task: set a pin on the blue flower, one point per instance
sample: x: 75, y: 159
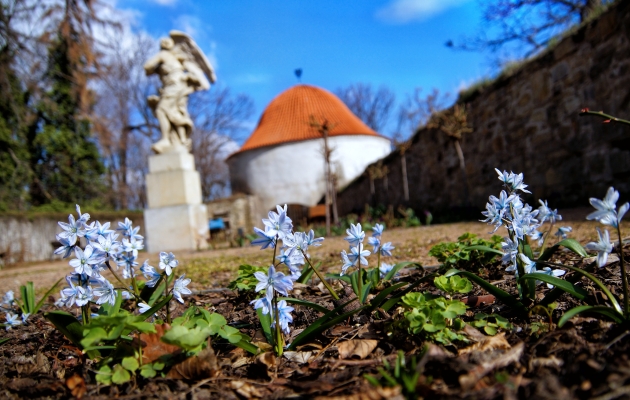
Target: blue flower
x: 143, y: 307
x: 128, y: 262
x: 357, y: 254
x: 168, y: 262
x: 99, y: 231
x: 83, y: 218
x: 512, y: 181
x: 297, y: 241
x: 355, y: 234
x: 132, y: 245
x: 8, y: 298
x: 528, y: 265
x: 128, y: 230
x: 377, y: 231
x: 66, y: 247
x: 385, y: 268
x: 563, y: 231
x: 546, y: 214
x: 284, y: 316
x: 291, y: 257
x: 85, y: 259
x: 510, y: 251
x: 386, y: 249
x: 72, y: 230
x: 150, y: 274
x: 606, y: 209
x: 264, y: 239
x: 551, y: 272
x: 346, y: 262
x: 376, y: 242
x: 107, y: 245
x: 273, y: 281
x: 105, y: 292
x: 179, y: 288
x: 262, y: 303
x: 278, y: 223
x: 12, y: 320
x: 603, y: 247
x: 312, y: 241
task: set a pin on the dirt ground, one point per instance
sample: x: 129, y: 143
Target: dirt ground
x: 216, y: 268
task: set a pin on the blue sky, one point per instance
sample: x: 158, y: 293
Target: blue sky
x: 256, y: 45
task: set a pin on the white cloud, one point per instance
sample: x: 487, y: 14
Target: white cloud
x: 188, y: 24
x: 198, y: 31
x: 405, y: 11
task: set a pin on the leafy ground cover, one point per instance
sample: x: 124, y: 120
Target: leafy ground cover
x: 360, y: 357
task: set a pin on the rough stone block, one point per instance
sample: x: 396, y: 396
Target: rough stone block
x: 176, y: 228
x: 171, y: 161
x: 171, y: 188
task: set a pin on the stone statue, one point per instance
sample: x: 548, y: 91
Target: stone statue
x: 183, y: 69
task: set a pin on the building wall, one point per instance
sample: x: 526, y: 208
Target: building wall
x: 293, y: 173
x: 528, y: 122
x: 31, y: 239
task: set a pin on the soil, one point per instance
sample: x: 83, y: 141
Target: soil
x: 586, y: 358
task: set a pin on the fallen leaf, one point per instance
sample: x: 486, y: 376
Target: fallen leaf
x: 245, y: 389
x: 379, y: 393
x: 203, y: 365
x: 301, y: 357
x: 77, y: 387
x: 356, y: 348
x: 153, y: 348
x: 488, y: 343
x: 469, y: 380
x: 267, y: 359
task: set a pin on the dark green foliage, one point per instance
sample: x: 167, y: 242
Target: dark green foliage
x: 64, y: 158
x: 460, y: 254
x: 434, y: 317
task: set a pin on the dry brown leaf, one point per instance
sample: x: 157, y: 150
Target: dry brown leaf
x: 203, y: 365
x: 77, y: 387
x: 301, y: 357
x: 379, y: 393
x: 245, y: 389
x: 488, y: 343
x: 356, y: 348
x: 469, y: 380
x: 267, y: 359
x: 153, y: 348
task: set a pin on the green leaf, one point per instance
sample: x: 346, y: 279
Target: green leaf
x: 93, y: 336
x: 397, y: 296
x: 502, y: 295
x: 149, y: 313
x: 265, y: 323
x: 485, y: 249
x: 305, y: 303
x: 4, y: 340
x: 230, y: 333
x: 605, y: 311
x: 67, y: 324
x: 380, y: 298
x: 104, y: 375
x: 366, y: 291
x: 307, y: 273
x: 120, y: 375
x: 130, y: 363
x: 568, y: 287
x: 398, y: 267
x: 570, y: 244
x: 247, y: 346
x: 187, y: 339
x: 147, y: 371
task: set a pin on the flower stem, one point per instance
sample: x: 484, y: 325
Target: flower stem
x: 360, y: 282
x: 542, y: 248
x: 168, y: 303
x: 624, y: 277
x: 319, y: 275
x: 279, y: 341
x: 121, y: 281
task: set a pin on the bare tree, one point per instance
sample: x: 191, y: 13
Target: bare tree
x: 123, y: 122
x: 220, y: 120
x: 522, y: 28
x: 374, y: 107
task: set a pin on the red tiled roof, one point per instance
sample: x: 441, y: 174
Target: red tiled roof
x: 287, y: 118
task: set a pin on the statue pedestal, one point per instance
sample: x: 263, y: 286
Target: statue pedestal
x: 176, y: 218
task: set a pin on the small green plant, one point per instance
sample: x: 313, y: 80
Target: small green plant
x: 246, y: 280
x: 468, y: 252
x: 434, y: 317
x: 491, y: 323
x: 27, y: 304
x: 452, y: 284
x: 402, y: 374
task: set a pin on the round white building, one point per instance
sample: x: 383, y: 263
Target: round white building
x: 282, y: 162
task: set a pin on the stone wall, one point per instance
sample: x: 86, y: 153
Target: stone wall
x: 526, y: 122
x: 32, y: 238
